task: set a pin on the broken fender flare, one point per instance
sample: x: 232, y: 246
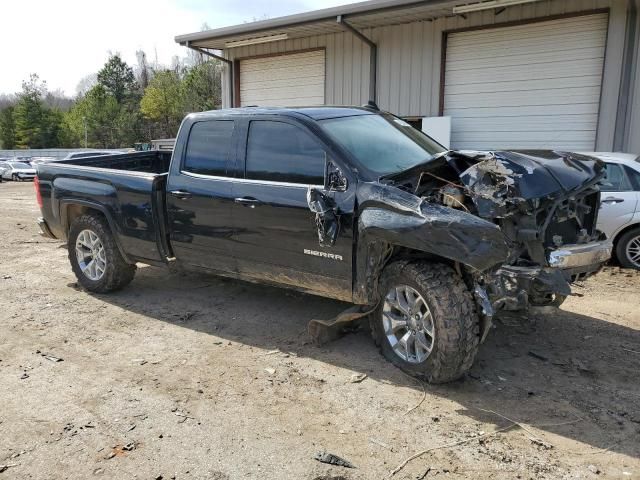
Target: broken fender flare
x: 442, y: 231
x: 400, y: 218
x: 390, y: 216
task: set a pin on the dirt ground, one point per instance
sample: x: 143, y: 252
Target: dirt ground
x: 194, y: 377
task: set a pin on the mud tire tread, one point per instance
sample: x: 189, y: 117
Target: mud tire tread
x: 118, y: 274
x: 456, y: 320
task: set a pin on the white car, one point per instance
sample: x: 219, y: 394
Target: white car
x: 17, y: 171
x: 619, y: 216
x: 38, y: 160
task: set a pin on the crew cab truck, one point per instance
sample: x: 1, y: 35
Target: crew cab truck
x: 343, y: 202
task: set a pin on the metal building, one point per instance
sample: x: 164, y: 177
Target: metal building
x: 491, y: 74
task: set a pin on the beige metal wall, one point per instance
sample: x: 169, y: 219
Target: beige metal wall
x: 409, y: 59
x: 632, y: 133
x: 347, y: 64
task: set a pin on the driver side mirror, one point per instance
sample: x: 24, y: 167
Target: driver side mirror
x: 334, y: 179
x: 327, y: 221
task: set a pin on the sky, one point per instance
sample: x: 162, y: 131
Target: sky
x: 63, y: 41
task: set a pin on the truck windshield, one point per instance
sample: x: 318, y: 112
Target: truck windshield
x: 382, y: 143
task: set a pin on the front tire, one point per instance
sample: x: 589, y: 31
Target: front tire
x: 628, y: 249
x: 426, y: 322
x: 94, y: 256
x: 550, y: 300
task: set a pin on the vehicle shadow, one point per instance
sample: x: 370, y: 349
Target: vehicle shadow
x: 567, y: 371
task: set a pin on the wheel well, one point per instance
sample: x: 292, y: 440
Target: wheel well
x: 633, y: 226
x: 403, y: 253
x: 75, y: 210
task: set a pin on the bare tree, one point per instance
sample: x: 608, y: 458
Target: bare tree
x: 177, y: 64
x: 86, y: 84
x: 143, y: 70
x: 261, y: 18
x: 7, y: 100
x: 58, y: 100
x: 195, y: 58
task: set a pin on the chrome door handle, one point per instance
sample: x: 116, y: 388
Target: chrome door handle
x: 181, y: 194
x: 248, y: 201
x: 612, y: 200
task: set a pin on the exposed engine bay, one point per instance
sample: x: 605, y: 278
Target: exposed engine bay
x: 536, y: 207
x: 543, y: 202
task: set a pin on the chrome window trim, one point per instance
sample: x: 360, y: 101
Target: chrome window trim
x: 249, y: 180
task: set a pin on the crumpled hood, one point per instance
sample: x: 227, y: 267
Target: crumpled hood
x: 504, y: 178
x: 538, y: 173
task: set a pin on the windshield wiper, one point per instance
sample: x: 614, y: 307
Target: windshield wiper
x: 406, y: 171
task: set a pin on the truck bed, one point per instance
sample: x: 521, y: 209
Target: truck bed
x: 127, y: 188
x: 155, y: 162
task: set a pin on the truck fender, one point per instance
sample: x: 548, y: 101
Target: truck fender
x: 65, y: 203
x: 389, y: 216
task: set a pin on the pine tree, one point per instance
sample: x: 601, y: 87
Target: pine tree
x: 30, y: 115
x: 7, y: 128
x: 118, y: 79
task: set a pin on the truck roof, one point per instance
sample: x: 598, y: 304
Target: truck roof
x: 316, y: 113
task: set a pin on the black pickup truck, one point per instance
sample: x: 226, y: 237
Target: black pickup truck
x: 348, y: 203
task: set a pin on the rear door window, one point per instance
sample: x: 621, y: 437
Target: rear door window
x: 209, y: 147
x: 634, y: 176
x: 282, y: 152
x: 615, y: 179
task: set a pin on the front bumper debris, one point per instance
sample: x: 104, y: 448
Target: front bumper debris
x: 514, y: 287
x: 585, y: 255
x: 324, y: 331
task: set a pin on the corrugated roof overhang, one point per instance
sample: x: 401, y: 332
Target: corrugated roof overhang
x: 373, y: 13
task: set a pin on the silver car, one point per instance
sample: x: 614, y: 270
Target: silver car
x: 619, y: 216
x: 17, y: 171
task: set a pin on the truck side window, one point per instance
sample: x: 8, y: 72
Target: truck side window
x: 208, y: 147
x: 615, y: 179
x: 282, y: 152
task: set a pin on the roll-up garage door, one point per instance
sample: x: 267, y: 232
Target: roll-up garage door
x: 284, y: 80
x: 527, y: 86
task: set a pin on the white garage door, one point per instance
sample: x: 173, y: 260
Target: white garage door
x: 284, y: 80
x: 530, y: 86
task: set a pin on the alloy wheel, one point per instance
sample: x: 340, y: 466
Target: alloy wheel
x: 633, y: 251
x: 91, y: 255
x: 408, y: 324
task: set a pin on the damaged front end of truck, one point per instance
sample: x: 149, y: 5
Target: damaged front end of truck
x: 519, y: 227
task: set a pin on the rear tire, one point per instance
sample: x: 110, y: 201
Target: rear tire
x: 452, y: 320
x: 628, y: 249
x: 90, y: 239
